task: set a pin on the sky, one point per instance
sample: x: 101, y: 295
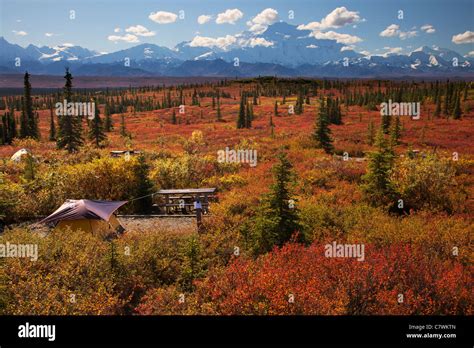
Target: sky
x: 369, y: 26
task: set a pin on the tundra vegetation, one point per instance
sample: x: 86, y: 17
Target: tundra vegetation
x: 330, y: 168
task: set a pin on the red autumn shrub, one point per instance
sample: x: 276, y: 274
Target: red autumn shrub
x: 301, y: 280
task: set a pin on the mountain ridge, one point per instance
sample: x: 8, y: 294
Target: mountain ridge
x: 281, y: 49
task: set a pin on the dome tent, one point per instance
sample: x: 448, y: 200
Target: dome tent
x: 87, y: 215
x: 17, y: 156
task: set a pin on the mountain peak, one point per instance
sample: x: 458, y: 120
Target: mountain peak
x: 283, y: 28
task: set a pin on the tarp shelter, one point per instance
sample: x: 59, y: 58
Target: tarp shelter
x: 17, y: 156
x: 87, y: 215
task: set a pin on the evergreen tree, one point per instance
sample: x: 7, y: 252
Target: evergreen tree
x: 219, y: 115
x: 272, y: 126
x: 370, y: 132
x: 299, y: 104
x: 144, y: 188
x: 386, y: 123
x: 69, y: 135
x: 52, y: 126
x: 277, y: 220
x: 446, y: 102
x: 123, y: 127
x: 457, y: 108
x: 8, y: 127
x: 96, y: 128
x: 108, y: 123
x: 322, y: 133
x: 173, y: 118
x: 376, y: 186
x: 437, y: 112
x: 248, y: 116
x: 242, y: 117
x: 395, y: 132
x: 28, y: 120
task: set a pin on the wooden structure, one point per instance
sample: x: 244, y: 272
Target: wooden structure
x: 182, y: 201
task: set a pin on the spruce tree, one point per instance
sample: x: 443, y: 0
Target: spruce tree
x: 242, y: 117
x: 272, y: 126
x: 322, y: 133
x: 28, y: 120
x: 386, y: 123
x: 173, y: 117
x: 457, y: 108
x: 96, y: 128
x: 437, y: 112
x: 218, y: 115
x: 277, y: 220
x: 377, y: 186
x: 123, y: 128
x: 248, y: 116
x: 395, y: 132
x: 279, y: 199
x: 370, y: 132
x: 52, y: 126
x: 69, y: 135
x: 144, y: 187
x: 108, y: 123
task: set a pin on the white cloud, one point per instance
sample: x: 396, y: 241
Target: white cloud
x: 338, y: 18
x: 20, y: 33
x: 312, y: 46
x: 126, y: 38
x: 340, y: 38
x: 470, y: 54
x: 407, y: 34
x: 261, y: 21
x: 428, y: 28
x: 365, y: 53
x: 267, y: 17
x: 348, y: 48
x: 67, y: 44
x: 48, y: 34
x: 117, y: 30
x: 258, y: 41
x: 163, y: 17
x: 463, y: 38
x: 139, y: 30
x: 203, y: 19
x: 390, y: 31
x: 221, y: 42
x: 393, y: 30
x: 392, y: 50
x: 229, y: 16
x: 256, y: 28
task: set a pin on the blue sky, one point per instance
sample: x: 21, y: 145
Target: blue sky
x: 369, y: 25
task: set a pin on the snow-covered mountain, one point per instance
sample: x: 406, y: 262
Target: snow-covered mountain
x: 281, y: 49
x: 43, y: 54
